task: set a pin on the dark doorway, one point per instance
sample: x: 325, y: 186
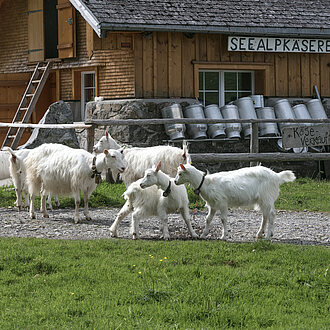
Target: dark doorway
x: 50, y: 28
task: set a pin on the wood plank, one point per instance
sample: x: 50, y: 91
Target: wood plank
x: 213, y: 47
x: 325, y: 75
x: 162, y: 65
x: 224, y: 54
x: 138, y: 60
x: 66, y: 30
x: 174, y: 64
x: 13, y: 83
x: 305, y: 75
x: 281, y: 74
x: 202, y: 44
x: 188, y: 53
x: 294, y: 74
x: 270, y: 75
x: 36, y: 49
x: 315, y: 71
x: 148, y: 66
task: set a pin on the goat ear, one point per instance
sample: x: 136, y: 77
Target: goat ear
x: 107, y: 135
x: 14, y: 158
x: 158, y: 166
x: 182, y: 167
x: 106, y: 151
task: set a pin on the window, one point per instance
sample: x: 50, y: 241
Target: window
x: 87, y: 90
x: 221, y: 87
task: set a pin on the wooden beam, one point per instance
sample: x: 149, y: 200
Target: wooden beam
x: 264, y: 157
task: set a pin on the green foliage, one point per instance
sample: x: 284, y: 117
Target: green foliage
x: 154, y: 284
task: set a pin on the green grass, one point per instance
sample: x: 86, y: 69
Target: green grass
x: 300, y: 195
x: 119, y: 284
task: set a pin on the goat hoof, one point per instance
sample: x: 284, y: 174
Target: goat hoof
x: 32, y: 216
x: 76, y: 220
x: 46, y: 215
x: 88, y: 218
x: 113, y: 234
x: 135, y: 237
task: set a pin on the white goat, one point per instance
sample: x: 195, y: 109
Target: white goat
x: 154, y: 195
x: 140, y: 159
x: 58, y: 169
x: 12, y: 166
x: 258, y: 186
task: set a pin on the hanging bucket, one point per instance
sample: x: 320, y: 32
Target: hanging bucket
x: 267, y: 129
x: 300, y: 111
x: 230, y: 111
x: 174, y: 131
x: 246, y: 111
x: 214, y: 130
x: 315, y: 109
x: 195, y: 131
x: 283, y: 110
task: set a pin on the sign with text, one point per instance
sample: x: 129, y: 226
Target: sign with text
x: 306, y: 136
x: 286, y: 45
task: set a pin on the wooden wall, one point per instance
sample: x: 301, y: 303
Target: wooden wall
x: 165, y: 66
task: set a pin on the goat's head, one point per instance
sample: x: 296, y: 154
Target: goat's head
x: 114, y: 160
x: 182, y: 175
x: 106, y: 142
x: 150, y: 176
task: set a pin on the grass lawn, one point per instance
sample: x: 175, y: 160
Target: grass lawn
x: 125, y: 284
x: 120, y: 284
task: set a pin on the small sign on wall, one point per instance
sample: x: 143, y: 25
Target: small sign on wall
x: 306, y: 136
x: 285, y: 45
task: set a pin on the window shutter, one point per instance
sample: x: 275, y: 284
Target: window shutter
x: 66, y: 29
x: 35, y: 31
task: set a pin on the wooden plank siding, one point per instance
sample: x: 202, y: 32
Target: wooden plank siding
x: 276, y: 74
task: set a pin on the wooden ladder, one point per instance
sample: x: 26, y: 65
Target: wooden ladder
x: 27, y: 104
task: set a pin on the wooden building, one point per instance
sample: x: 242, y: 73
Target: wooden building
x: 217, y: 50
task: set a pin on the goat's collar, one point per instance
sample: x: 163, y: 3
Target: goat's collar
x: 168, y: 190
x: 95, y: 173
x: 197, y: 191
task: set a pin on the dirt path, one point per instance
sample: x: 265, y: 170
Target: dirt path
x: 290, y: 227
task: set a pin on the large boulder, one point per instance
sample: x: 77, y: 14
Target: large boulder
x: 57, y: 113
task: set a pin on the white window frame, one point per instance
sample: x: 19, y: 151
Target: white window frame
x: 83, y: 91
x: 221, y: 89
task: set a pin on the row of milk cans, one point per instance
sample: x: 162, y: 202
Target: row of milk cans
x: 242, y: 108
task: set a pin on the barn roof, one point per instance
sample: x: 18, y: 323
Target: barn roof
x: 268, y: 17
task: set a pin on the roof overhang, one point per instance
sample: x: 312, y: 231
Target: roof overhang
x: 101, y: 29
x: 87, y: 15
x: 269, y: 31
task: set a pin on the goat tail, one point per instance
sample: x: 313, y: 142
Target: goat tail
x: 286, y: 176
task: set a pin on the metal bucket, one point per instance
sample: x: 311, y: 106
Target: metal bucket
x: 300, y: 111
x: 196, y: 131
x: 246, y: 111
x: 230, y: 111
x: 174, y: 131
x: 283, y: 110
x: 267, y: 129
x: 214, y: 130
x: 315, y: 109
x: 258, y: 101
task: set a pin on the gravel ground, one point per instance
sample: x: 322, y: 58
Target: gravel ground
x: 309, y: 228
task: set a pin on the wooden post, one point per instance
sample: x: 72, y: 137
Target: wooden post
x: 254, y: 141
x: 90, y: 138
